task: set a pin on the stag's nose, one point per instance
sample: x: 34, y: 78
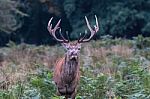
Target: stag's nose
x: 73, y: 55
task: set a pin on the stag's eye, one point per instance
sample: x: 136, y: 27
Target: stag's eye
x: 67, y: 48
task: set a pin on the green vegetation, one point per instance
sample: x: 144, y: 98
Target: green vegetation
x: 112, y: 69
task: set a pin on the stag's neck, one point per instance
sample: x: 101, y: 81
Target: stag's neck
x: 70, y: 66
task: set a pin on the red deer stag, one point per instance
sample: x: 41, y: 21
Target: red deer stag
x: 66, y: 72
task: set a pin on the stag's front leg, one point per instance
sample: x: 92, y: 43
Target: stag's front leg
x: 73, y: 96
x: 66, y: 97
x: 58, y: 93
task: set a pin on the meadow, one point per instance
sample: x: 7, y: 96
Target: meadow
x: 110, y: 69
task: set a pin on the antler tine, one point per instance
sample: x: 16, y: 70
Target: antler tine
x: 82, y: 37
x: 96, y: 26
x: 63, y: 36
x: 53, y: 31
x: 88, y: 24
x: 93, y: 31
x: 49, y: 23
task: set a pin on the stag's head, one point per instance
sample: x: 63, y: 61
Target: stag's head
x: 73, y: 48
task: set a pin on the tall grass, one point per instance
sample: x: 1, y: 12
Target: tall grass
x: 110, y: 69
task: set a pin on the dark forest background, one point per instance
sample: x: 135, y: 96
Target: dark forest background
x: 26, y: 20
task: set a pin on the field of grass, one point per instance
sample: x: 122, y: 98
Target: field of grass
x: 110, y: 69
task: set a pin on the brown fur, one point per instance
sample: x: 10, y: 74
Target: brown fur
x: 66, y: 77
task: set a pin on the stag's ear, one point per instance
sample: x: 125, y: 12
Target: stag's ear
x: 79, y: 46
x: 65, y: 45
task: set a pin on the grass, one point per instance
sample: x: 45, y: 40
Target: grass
x: 110, y: 69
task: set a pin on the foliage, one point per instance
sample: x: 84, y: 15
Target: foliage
x: 132, y: 85
x: 112, y: 73
x: 142, y: 42
x: 10, y: 15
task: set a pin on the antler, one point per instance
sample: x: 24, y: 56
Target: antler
x: 93, y: 31
x: 53, y: 31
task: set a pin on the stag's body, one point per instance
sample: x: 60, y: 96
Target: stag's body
x: 66, y: 72
x: 66, y: 76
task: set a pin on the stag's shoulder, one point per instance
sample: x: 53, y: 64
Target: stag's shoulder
x: 60, y: 61
x: 58, y: 68
x: 58, y: 65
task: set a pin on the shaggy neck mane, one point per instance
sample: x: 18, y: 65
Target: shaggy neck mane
x: 70, y: 69
x: 70, y: 66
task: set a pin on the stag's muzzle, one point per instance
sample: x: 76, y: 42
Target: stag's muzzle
x: 73, y: 57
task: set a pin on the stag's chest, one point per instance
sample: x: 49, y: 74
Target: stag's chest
x: 70, y: 70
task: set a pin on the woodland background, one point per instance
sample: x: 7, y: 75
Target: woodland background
x: 26, y: 20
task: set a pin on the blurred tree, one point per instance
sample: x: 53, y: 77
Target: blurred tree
x: 10, y: 15
x: 11, y: 19
x: 128, y: 19
x: 34, y: 29
x: 118, y: 18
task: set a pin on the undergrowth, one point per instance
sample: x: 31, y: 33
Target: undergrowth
x: 110, y: 69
